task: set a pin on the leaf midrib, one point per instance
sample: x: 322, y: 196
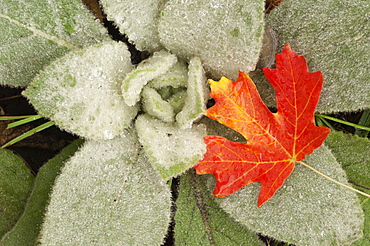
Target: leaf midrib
x: 40, y: 33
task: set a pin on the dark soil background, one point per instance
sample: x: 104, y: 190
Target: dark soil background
x: 37, y: 149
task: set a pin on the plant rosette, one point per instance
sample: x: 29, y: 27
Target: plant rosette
x: 96, y: 93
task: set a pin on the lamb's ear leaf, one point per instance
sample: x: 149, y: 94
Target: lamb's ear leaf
x: 177, y: 76
x: 154, y: 105
x: 352, y: 153
x: 16, y: 183
x: 308, y: 208
x: 153, y: 67
x: 196, y: 95
x: 81, y: 91
x: 170, y: 149
x: 35, y: 33
x: 225, y: 35
x: 28, y: 227
x: 108, y: 194
x: 125, y: 14
x: 200, y: 220
x: 334, y: 37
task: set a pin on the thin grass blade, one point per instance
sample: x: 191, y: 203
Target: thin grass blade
x: 322, y: 122
x: 24, y: 121
x: 7, y: 117
x: 344, y: 122
x: 29, y: 133
x: 364, y: 121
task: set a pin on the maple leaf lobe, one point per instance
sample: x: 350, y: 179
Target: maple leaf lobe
x: 274, y: 140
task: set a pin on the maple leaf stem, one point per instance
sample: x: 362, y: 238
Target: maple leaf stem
x: 333, y: 180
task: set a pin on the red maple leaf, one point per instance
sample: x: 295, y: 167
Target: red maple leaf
x: 275, y: 141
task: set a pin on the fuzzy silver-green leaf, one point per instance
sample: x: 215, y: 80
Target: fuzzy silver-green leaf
x: 196, y: 95
x: 149, y: 69
x: 352, y: 153
x: 200, y: 220
x: 307, y: 210
x: 138, y: 19
x: 108, y: 194
x: 154, y: 105
x: 36, y: 32
x: 81, y: 92
x: 28, y: 227
x: 334, y: 37
x: 170, y: 149
x: 226, y: 35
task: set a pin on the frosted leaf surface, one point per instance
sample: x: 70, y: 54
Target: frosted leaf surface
x: 177, y: 100
x: 36, y: 32
x: 177, y: 76
x: 334, y: 37
x: 171, y: 150
x: 352, y: 153
x: 108, y: 195
x: 81, y: 91
x: 165, y: 92
x: 154, y: 105
x: 197, y: 95
x: 200, y: 220
x: 226, y: 35
x: 138, y: 19
x: 27, y: 229
x: 154, y: 66
x: 16, y: 183
x: 307, y: 210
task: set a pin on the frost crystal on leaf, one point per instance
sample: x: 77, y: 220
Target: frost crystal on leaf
x: 226, y: 35
x: 170, y: 149
x: 81, y: 91
x: 138, y: 19
x: 34, y: 33
x: 149, y: 69
x: 334, y: 37
x: 107, y: 191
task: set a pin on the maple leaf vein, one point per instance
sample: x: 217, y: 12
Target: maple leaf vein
x: 275, y: 141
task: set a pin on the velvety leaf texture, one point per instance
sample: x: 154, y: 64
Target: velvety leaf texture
x: 352, y: 152
x: 37, y: 32
x: 81, y: 91
x: 226, y: 35
x: 275, y: 141
x: 334, y: 37
x: 15, y: 186
x: 138, y: 19
x: 200, y: 220
x: 308, y: 210
x: 108, y: 194
x: 27, y: 229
